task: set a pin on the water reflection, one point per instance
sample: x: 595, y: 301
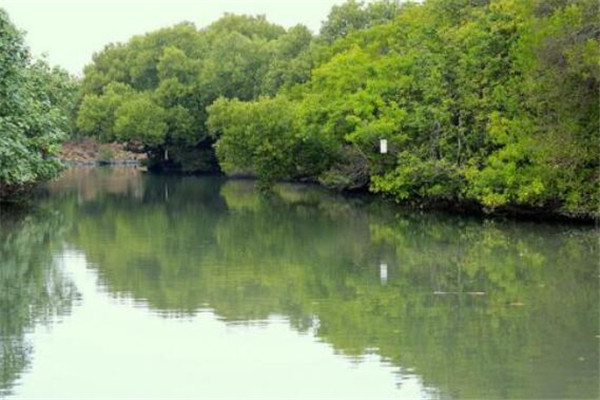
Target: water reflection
x: 476, y: 309
x: 32, y: 289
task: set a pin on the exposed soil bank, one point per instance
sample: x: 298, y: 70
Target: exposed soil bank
x: 88, y: 151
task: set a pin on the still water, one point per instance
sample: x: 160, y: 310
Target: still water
x: 123, y: 285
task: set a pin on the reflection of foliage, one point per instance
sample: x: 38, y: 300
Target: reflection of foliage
x: 188, y: 243
x: 31, y: 289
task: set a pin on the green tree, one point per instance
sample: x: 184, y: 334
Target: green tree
x: 547, y: 133
x: 461, y: 90
x: 239, y: 149
x: 291, y: 60
x: 96, y: 115
x: 35, y: 105
x: 486, y: 104
x: 140, y: 119
x: 181, y: 70
x: 355, y: 15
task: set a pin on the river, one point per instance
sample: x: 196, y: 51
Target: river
x: 120, y: 284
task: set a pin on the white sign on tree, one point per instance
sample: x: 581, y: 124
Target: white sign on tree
x: 383, y: 148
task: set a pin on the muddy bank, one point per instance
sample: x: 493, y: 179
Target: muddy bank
x: 90, y: 152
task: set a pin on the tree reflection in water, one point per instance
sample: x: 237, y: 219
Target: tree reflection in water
x: 476, y: 308
x: 32, y: 288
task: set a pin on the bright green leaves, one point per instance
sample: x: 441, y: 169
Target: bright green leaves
x: 488, y: 102
x: 491, y: 104
x: 263, y: 138
x: 258, y: 137
x: 469, y: 98
x: 545, y: 131
x: 417, y: 180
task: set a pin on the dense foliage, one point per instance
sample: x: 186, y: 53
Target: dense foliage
x: 492, y: 103
x: 35, y: 106
x: 154, y: 90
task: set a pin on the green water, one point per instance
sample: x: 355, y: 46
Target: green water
x: 123, y: 285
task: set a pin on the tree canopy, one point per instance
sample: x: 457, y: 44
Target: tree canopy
x: 35, y: 105
x: 174, y: 74
x: 487, y: 103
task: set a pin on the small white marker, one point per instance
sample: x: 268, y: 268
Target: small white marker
x: 383, y: 273
x: 383, y: 146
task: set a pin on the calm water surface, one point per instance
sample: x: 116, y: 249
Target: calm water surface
x: 120, y: 284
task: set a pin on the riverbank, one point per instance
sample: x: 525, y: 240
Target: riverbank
x: 89, y: 152
x: 458, y: 207
x: 464, y: 208
x: 212, y: 257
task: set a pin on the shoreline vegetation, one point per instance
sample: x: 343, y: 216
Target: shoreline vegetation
x: 488, y: 106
